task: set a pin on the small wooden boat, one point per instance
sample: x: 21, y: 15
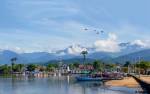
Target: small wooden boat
x: 80, y: 78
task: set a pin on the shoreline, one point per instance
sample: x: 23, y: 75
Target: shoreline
x: 129, y: 82
x: 126, y: 82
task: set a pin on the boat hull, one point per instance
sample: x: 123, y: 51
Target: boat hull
x: 88, y: 79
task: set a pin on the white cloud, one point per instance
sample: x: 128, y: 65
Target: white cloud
x: 129, y: 32
x: 112, y: 36
x: 142, y: 43
x: 75, y: 49
x: 15, y: 49
x: 108, y: 45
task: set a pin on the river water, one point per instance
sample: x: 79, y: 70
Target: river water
x: 57, y: 85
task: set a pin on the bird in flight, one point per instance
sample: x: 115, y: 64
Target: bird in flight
x: 102, y: 31
x: 86, y: 29
x: 97, y: 32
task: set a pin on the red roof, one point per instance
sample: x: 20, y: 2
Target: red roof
x: 88, y: 67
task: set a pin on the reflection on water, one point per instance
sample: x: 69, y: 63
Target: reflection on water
x: 56, y: 85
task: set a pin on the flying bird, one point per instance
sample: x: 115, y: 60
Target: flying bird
x: 97, y: 32
x: 102, y: 31
x: 86, y: 29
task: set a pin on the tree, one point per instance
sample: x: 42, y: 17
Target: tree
x: 21, y: 67
x: 110, y: 66
x: 71, y: 66
x: 144, y: 65
x: 13, y: 60
x: 76, y: 65
x: 84, y: 53
x: 18, y: 67
x: 42, y: 68
x: 127, y: 64
x: 97, y: 65
x: 5, y: 69
x: 31, y: 67
x: 50, y: 67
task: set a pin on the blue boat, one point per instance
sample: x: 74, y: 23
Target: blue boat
x: 80, y: 78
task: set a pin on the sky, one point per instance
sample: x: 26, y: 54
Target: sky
x: 50, y: 25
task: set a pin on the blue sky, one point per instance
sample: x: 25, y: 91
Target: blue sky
x: 46, y: 25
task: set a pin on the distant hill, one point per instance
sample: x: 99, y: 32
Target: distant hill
x: 128, y: 52
x: 72, y: 60
x: 38, y: 57
x: 144, y: 55
x: 6, y: 55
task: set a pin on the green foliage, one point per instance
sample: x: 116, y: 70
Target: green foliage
x: 42, y: 68
x: 31, y: 67
x: 127, y: 64
x: 71, y: 66
x: 13, y: 60
x: 51, y: 67
x: 145, y: 65
x: 76, y: 65
x: 55, y: 65
x: 88, y: 64
x: 98, y: 65
x: 18, y: 67
x: 5, y: 69
x: 110, y: 66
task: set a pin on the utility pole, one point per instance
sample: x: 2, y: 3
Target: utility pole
x: 135, y: 67
x: 128, y: 69
x: 139, y: 66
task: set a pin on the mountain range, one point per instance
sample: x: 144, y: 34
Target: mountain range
x: 128, y: 52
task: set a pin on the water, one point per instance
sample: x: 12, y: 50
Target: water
x: 57, y: 85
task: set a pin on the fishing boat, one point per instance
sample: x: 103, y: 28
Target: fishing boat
x: 84, y: 78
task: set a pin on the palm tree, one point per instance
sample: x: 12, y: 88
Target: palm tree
x: 84, y: 53
x: 13, y: 60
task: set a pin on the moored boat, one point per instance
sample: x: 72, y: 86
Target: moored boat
x: 80, y: 78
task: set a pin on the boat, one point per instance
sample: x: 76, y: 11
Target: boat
x: 80, y: 78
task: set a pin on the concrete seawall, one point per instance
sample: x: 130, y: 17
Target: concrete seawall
x: 144, y: 85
